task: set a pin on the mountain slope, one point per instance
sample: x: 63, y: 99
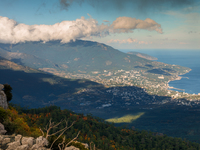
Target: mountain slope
x: 142, y: 55
x: 85, y: 59
x: 35, y: 88
x: 96, y: 62
x: 103, y: 134
x: 25, y: 59
x: 79, y: 55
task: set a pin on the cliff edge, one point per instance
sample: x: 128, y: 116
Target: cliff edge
x: 3, y: 99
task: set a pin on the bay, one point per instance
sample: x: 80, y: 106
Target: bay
x: 190, y: 82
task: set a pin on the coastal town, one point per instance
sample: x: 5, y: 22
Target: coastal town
x: 126, y: 89
x: 154, y: 84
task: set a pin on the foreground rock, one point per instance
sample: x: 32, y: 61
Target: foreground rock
x: 2, y: 129
x: 12, y: 142
x: 3, y: 99
x: 18, y: 142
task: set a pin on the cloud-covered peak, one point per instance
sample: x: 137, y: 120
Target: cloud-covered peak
x: 11, y: 32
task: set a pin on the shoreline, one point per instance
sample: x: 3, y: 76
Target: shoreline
x: 178, y: 78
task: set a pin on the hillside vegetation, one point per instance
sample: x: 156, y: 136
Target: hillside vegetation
x: 104, y: 135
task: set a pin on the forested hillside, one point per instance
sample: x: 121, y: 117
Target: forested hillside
x: 104, y: 135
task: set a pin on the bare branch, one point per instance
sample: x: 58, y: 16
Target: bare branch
x: 51, y: 125
x: 63, y: 131
x: 63, y: 128
x: 42, y: 132
x: 73, y: 139
x: 91, y: 146
x: 61, y: 144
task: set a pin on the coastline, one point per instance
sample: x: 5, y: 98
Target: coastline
x: 178, y: 78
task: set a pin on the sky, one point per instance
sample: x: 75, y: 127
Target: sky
x: 122, y: 24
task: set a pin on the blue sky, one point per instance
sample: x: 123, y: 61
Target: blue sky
x: 127, y: 24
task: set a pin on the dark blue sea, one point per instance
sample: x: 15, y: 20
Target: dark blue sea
x: 186, y: 58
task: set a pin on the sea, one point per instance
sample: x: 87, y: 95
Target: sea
x: 190, y: 82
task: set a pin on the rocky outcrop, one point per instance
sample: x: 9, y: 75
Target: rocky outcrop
x: 2, y: 129
x: 12, y: 142
x: 3, y: 99
x: 18, y: 142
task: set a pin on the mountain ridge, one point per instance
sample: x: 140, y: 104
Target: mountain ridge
x: 84, y: 55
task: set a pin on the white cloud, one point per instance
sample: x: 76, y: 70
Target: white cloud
x: 12, y: 32
x: 127, y: 24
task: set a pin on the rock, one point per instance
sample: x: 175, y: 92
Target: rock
x: 12, y: 142
x: 43, y: 148
x: 18, y: 137
x: 5, y: 141
x: 38, y: 147
x: 1, y: 138
x: 71, y: 148
x: 3, y: 99
x: 22, y: 147
x: 2, y: 129
x: 28, y: 141
x: 42, y: 141
x: 13, y: 145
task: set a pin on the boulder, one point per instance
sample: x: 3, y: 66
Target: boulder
x: 28, y: 141
x: 42, y: 141
x: 38, y: 147
x: 13, y: 145
x: 1, y: 138
x: 5, y: 141
x: 12, y: 142
x: 23, y: 147
x: 18, y: 137
x: 2, y: 129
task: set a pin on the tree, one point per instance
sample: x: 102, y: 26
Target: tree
x: 7, y: 90
x: 52, y: 125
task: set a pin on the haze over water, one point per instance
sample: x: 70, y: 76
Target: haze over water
x: 186, y: 58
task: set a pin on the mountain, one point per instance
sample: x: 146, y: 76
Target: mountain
x: 91, y: 60
x: 74, y: 57
x: 142, y: 55
x: 35, y: 88
x: 83, y: 60
x: 25, y: 59
x: 84, y: 56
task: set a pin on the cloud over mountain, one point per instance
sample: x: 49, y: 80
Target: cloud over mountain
x: 12, y: 32
x: 127, y: 24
